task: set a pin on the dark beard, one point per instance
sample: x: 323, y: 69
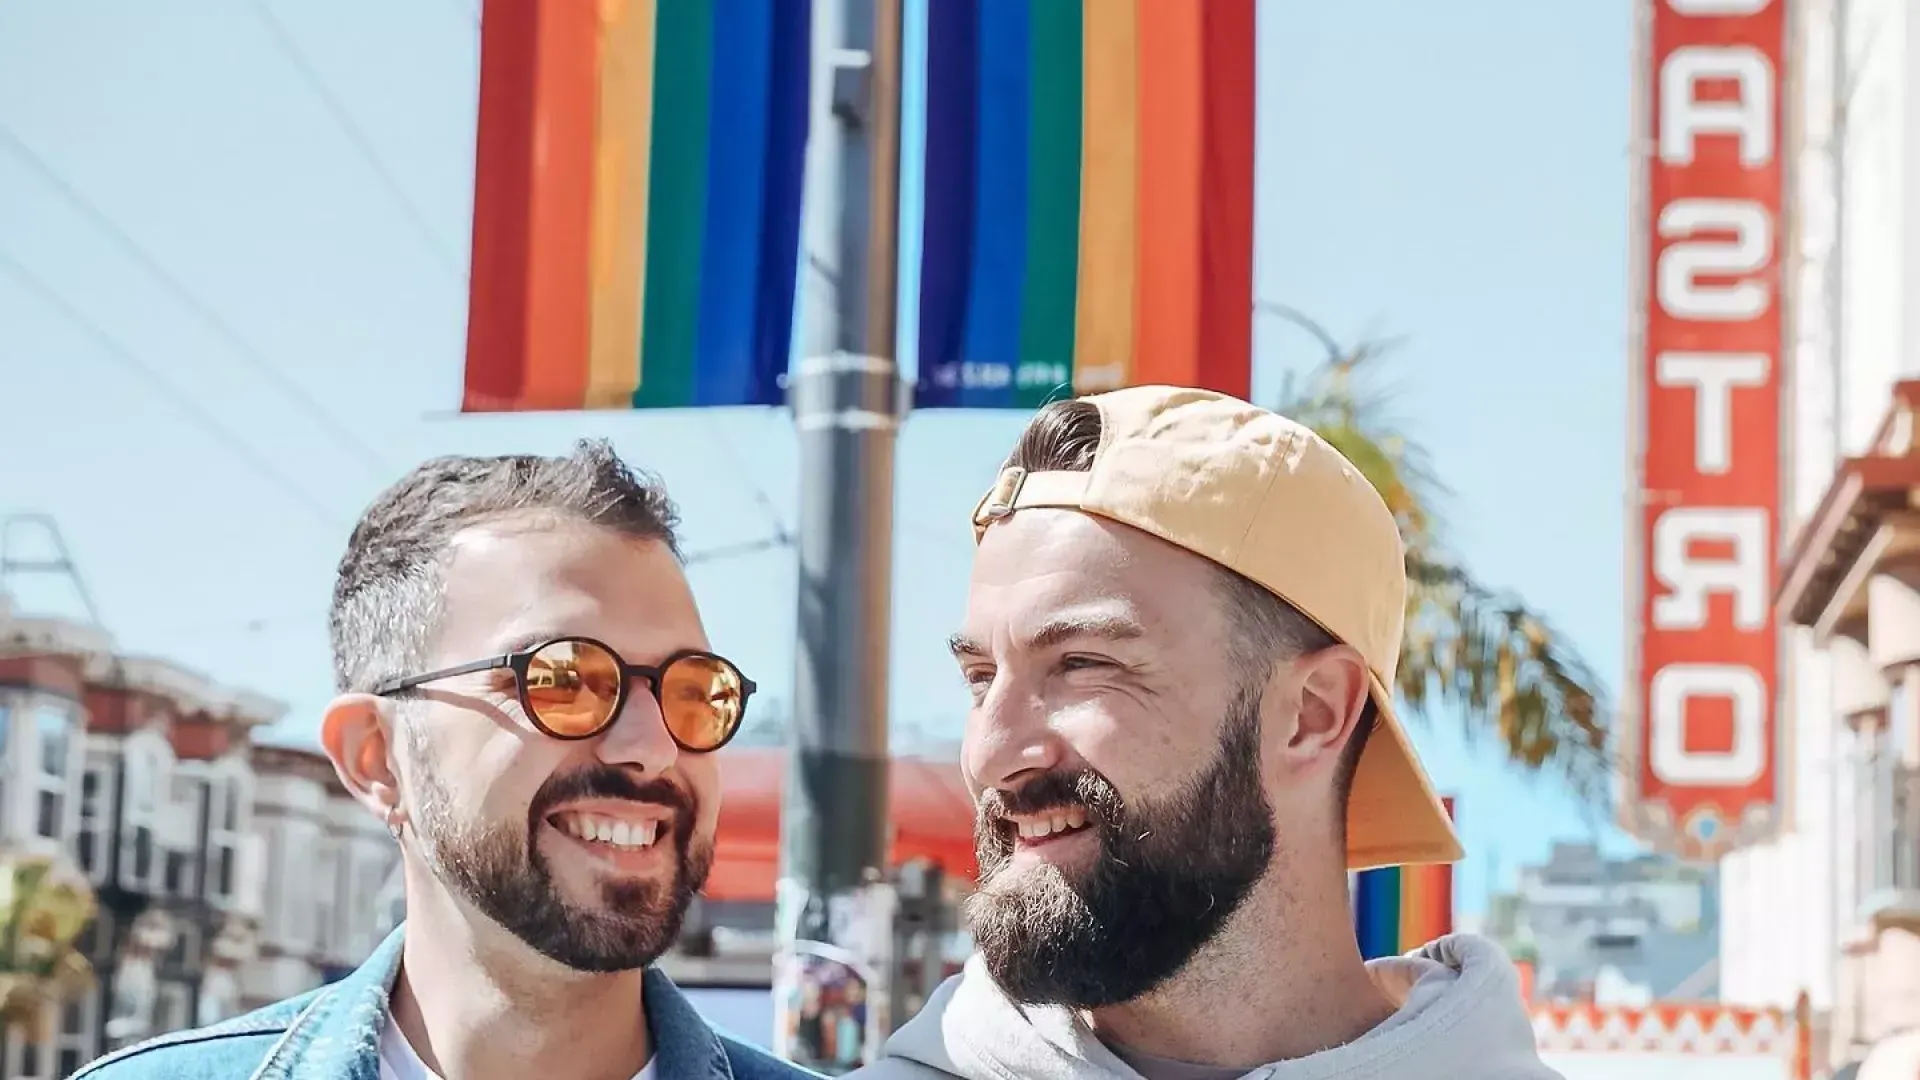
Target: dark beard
x: 1168, y: 876
x: 498, y: 868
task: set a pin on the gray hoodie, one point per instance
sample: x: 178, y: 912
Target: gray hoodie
x: 1460, y: 1018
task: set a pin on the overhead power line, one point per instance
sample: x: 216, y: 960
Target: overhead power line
x: 376, y: 162
x: 225, y: 330
x: 283, y: 40
x: 182, y: 400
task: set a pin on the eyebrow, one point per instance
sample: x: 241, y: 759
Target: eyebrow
x: 1061, y: 629
x: 523, y: 642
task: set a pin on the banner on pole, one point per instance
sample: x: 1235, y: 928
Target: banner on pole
x: 1701, y: 737
x: 1397, y: 909
x: 1088, y: 199
x: 636, y: 212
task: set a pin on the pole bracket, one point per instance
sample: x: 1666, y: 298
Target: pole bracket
x: 852, y: 87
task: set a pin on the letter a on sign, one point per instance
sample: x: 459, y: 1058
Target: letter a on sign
x: 1699, y: 733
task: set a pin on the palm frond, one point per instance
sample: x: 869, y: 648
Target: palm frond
x: 1467, y: 645
x: 1490, y: 655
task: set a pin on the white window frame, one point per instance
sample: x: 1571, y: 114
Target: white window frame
x: 219, y: 998
x: 85, y: 1041
x: 96, y: 818
x: 369, y: 921
x: 172, y: 1007
x: 9, y: 738
x: 229, y: 820
x: 62, y: 785
x: 331, y: 869
x: 13, y: 1065
x: 297, y: 888
x: 148, y: 770
x: 188, y: 794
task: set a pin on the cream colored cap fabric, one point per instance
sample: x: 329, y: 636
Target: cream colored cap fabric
x: 1269, y: 499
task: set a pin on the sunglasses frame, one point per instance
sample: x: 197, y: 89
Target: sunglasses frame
x: 520, y: 662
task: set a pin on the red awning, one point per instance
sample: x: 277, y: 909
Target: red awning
x: 931, y: 812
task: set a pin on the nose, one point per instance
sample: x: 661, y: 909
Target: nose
x: 1009, y: 736
x: 638, y: 737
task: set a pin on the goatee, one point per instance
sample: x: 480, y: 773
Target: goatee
x: 498, y: 868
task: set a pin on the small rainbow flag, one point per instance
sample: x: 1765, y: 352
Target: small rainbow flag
x: 1088, y: 193
x: 1399, y: 908
x: 636, y: 207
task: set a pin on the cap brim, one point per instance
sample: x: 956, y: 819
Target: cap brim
x: 1394, y: 817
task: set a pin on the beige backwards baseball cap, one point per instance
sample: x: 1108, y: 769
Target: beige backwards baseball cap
x: 1269, y: 499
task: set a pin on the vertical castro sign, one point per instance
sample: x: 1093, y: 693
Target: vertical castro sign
x: 1702, y: 748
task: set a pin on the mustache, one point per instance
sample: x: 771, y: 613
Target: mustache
x: 1082, y: 788
x: 609, y: 782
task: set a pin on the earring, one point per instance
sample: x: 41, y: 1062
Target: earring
x: 393, y: 822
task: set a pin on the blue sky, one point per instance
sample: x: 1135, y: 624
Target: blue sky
x: 232, y: 300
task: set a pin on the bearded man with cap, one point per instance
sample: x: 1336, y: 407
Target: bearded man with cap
x: 1180, y: 640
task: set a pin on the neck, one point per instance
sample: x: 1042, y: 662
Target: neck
x: 1283, y: 980
x: 474, y: 1001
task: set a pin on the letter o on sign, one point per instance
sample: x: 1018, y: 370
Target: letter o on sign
x: 1673, y: 688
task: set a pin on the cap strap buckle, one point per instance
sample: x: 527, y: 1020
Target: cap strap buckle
x: 1001, y: 500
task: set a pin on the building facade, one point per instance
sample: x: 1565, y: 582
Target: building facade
x: 1612, y: 931
x: 1830, y: 905
x: 201, y: 846
x: 332, y: 884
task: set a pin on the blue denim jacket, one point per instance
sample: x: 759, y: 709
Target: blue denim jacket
x: 333, y: 1033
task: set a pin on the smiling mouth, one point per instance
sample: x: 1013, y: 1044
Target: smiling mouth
x: 1034, y: 829
x: 601, y: 830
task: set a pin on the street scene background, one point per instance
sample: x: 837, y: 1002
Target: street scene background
x: 234, y: 244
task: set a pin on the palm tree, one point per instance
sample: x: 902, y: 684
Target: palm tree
x: 1467, y: 645
x: 44, y: 905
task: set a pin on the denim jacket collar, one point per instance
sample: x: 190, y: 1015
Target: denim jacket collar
x: 337, y: 1036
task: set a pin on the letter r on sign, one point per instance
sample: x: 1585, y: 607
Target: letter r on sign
x: 1690, y: 578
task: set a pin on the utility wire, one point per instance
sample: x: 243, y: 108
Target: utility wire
x: 282, y: 40
x: 188, y: 405
x: 370, y: 154
x: 130, y: 247
x: 782, y: 536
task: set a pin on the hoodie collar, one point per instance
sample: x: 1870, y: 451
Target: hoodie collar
x: 1460, y: 1016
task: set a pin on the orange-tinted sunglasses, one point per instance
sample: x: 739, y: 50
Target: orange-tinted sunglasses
x: 575, y: 687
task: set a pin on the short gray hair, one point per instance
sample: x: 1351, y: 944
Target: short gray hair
x: 386, y: 596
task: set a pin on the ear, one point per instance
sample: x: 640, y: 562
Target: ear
x: 1330, y: 688
x: 355, y: 733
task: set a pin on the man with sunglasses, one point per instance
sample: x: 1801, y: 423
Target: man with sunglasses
x: 528, y: 700
x: 1180, y: 638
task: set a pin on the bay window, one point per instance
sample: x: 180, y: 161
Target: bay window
x: 54, y: 727
x: 229, y: 815
x: 147, y: 765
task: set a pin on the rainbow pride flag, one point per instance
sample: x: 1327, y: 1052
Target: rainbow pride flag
x: 1088, y: 193
x: 636, y: 209
x: 1399, y: 908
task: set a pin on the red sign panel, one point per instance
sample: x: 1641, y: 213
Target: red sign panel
x: 1702, y: 746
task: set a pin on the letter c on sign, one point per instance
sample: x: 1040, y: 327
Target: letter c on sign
x: 1673, y: 688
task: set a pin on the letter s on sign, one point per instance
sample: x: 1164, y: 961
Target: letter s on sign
x: 1687, y: 260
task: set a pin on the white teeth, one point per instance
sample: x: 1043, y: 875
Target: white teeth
x: 1063, y: 821
x: 621, y: 834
